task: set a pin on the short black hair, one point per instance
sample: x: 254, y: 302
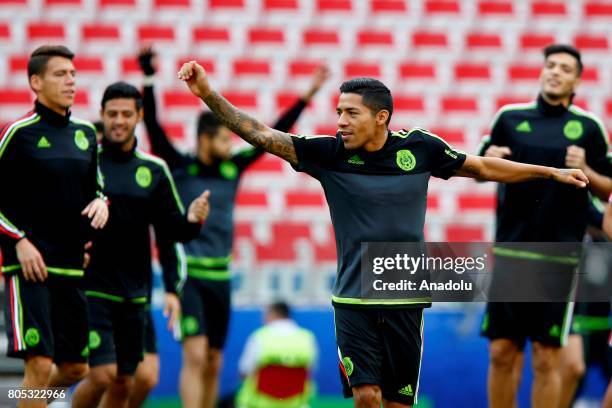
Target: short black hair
x: 280, y: 308
x: 122, y: 90
x: 208, y: 124
x: 41, y: 56
x: 376, y: 95
x: 564, y: 49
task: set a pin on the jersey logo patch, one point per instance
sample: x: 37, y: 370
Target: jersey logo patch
x: 80, y: 140
x: 143, y: 176
x: 189, y: 325
x: 405, y: 160
x: 94, y: 340
x: 573, y: 129
x: 32, y: 337
x: 228, y: 170
x: 356, y: 160
x: 348, y: 365
x: 407, y: 390
x: 524, y: 127
x: 43, y: 143
x: 554, y: 331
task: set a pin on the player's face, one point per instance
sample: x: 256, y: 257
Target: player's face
x: 221, y: 144
x: 56, y: 87
x: 356, y: 122
x: 120, y: 117
x: 559, y: 77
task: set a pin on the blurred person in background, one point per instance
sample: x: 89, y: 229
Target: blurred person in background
x: 550, y: 131
x: 277, y: 363
x: 206, y: 297
x: 48, y: 173
x: 142, y: 193
x: 375, y: 182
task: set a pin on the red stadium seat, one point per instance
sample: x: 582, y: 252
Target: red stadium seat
x: 483, y: 40
x: 325, y: 252
x: 115, y: 3
x: 429, y: 39
x: 208, y: 65
x: 376, y: 38
x: 418, y: 71
x: 463, y: 233
x: 388, y: 6
x: 247, y: 67
x: 5, y: 32
x: 12, y: 96
x: 96, y: 32
x: 598, y: 8
x: 51, y: 3
x: 262, y: 35
x: 459, y: 104
x: 530, y: 41
x: 280, y: 5
x: 408, y: 103
x: 81, y: 98
x: 89, y: 65
x: 326, y: 129
x: 279, y: 251
x: 548, y: 8
x: 320, y: 37
x: 590, y: 74
x: 524, y: 72
x: 451, y: 136
x: 18, y: 64
x: 303, y: 67
x: 14, y: 2
x: 154, y: 33
x: 472, y: 71
x: 304, y: 199
x: 251, y: 198
x: 361, y: 69
x: 243, y: 230
x: 286, y: 99
x: 180, y: 99
x: 433, y: 202
x: 609, y: 107
x: 46, y: 31
x: 289, y: 231
x: 507, y: 100
x: 171, y: 3
x: 591, y: 42
x: 495, y: 8
x: 334, y: 5
x: 477, y: 202
x: 242, y: 99
x: 442, y: 6
x: 221, y: 4
x: 129, y: 66
x: 210, y: 34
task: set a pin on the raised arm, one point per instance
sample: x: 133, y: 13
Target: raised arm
x: 506, y: 171
x: 250, y: 129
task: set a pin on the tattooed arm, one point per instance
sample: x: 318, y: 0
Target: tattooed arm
x: 248, y: 128
x: 506, y: 171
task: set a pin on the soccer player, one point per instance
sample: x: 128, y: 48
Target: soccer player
x: 375, y: 182
x: 48, y: 173
x: 206, y: 297
x: 550, y: 131
x: 142, y: 193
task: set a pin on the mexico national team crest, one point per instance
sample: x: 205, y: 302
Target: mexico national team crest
x: 405, y: 160
x: 32, y: 337
x: 348, y: 365
x: 80, y: 140
x: 573, y: 129
x: 143, y: 176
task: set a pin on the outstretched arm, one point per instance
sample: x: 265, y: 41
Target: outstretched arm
x: 250, y: 129
x: 506, y: 171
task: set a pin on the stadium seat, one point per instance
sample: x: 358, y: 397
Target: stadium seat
x: 18, y: 64
x: 225, y: 4
x: 115, y: 3
x: 211, y: 34
x: 507, y: 100
x: 533, y: 41
x: 361, y: 69
x: 46, y: 31
x: 477, y: 40
x: 304, y: 199
x: 408, y: 103
x: 180, y: 99
x: 249, y: 67
x: 251, y: 199
x: 422, y: 39
x: 100, y: 32
x: 450, y: 135
x: 488, y: 8
x: 89, y: 65
x: 463, y: 233
x: 244, y: 230
x: 467, y: 202
x: 587, y: 42
x: 417, y: 71
x: 161, y: 4
x: 433, y: 202
x: 442, y: 6
x: 242, y: 99
x: 317, y: 36
x: 325, y: 252
x: 299, y: 68
x: 609, y: 107
x: 129, y: 66
x: 518, y: 72
x: 590, y: 75
x: 472, y: 71
x: 262, y: 35
x: 51, y: 3
x: 81, y: 99
x: 547, y: 8
x: 388, y: 6
x: 333, y: 5
x: 598, y: 9
x: 280, y: 5
x: 367, y: 38
x: 459, y: 104
x: 11, y: 96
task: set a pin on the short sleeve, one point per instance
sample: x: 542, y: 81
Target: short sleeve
x: 444, y: 160
x: 313, y: 152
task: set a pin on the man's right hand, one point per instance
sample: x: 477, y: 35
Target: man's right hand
x: 32, y: 263
x: 195, y: 77
x: 145, y: 60
x: 498, y: 151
